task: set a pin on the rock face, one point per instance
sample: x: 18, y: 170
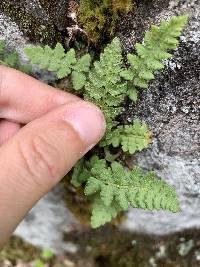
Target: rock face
x: 36, y: 19
x: 49, y: 220
x: 171, y: 107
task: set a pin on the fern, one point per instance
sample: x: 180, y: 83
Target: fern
x: 152, y: 52
x: 11, y: 59
x: 105, y: 87
x: 107, y: 83
x: 115, y: 188
x: 63, y: 64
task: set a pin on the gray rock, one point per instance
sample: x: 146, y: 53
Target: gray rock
x: 35, y: 18
x: 10, y: 33
x: 46, y: 223
x: 171, y: 107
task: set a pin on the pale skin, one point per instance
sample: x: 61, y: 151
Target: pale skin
x: 43, y: 133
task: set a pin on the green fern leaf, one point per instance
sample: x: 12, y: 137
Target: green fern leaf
x: 104, y: 80
x: 55, y: 60
x: 93, y: 185
x: 149, y: 200
x: 152, y: 51
x: 36, y: 54
x: 110, y: 187
x: 62, y: 72
x: 121, y: 198
x: 115, y: 188
x: 127, y: 74
x: 83, y: 64
x: 102, y: 214
x: 59, y: 51
x: 146, y: 75
x: 106, y: 194
x: 11, y: 60
x: 132, y: 197
x: 132, y: 94
x: 63, y: 64
x: 132, y: 138
x: 80, y: 173
x: 82, y: 170
x: 78, y: 80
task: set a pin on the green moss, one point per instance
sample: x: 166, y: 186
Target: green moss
x: 36, y: 28
x: 100, y: 18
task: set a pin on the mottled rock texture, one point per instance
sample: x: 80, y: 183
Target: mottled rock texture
x: 42, y: 21
x: 171, y: 107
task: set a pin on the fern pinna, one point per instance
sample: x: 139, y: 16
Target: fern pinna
x: 107, y: 83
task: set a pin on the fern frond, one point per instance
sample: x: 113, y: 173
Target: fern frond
x: 52, y: 59
x: 150, y: 55
x: 111, y: 188
x: 114, y: 189
x: 63, y: 64
x: 104, y: 79
x: 105, y: 87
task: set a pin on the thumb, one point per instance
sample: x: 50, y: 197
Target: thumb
x: 40, y: 154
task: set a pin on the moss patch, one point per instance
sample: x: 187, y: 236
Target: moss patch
x: 100, y: 18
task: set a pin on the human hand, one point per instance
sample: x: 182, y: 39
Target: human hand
x: 43, y: 132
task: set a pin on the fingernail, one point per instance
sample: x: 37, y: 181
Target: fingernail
x: 87, y: 120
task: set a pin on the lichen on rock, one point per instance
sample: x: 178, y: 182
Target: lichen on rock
x: 32, y: 19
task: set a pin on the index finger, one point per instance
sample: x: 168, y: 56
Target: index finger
x: 23, y: 98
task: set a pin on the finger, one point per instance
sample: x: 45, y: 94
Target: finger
x: 40, y: 154
x: 7, y: 130
x: 23, y: 98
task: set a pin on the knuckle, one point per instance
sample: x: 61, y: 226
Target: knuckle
x: 39, y: 158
